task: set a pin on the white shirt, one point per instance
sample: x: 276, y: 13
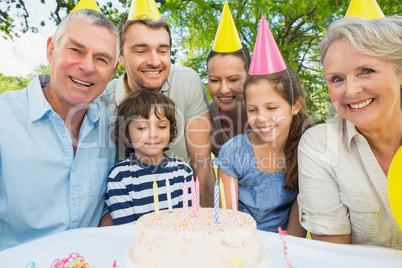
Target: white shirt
x: 342, y: 188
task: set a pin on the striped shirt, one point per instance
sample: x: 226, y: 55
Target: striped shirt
x: 129, y: 192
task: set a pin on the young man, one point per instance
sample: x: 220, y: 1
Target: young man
x: 55, y: 151
x: 145, y: 46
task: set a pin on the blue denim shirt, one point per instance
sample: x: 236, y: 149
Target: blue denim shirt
x: 261, y: 194
x: 44, y: 188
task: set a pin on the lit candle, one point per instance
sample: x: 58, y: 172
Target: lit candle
x: 185, y: 202
x: 234, y: 200
x: 222, y: 194
x: 169, y: 198
x: 156, y: 200
x: 216, y: 201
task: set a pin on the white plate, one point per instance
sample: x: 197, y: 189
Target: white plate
x: 127, y: 262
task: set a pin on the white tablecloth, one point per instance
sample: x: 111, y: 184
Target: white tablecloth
x: 102, y: 246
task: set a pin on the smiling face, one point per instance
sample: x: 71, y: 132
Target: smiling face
x: 365, y: 90
x: 82, y: 64
x: 146, y: 56
x: 226, y: 76
x: 269, y: 115
x: 149, y: 137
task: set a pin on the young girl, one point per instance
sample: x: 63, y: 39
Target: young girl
x: 146, y: 124
x: 263, y: 162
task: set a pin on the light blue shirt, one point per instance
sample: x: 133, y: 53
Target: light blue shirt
x: 261, y: 194
x: 44, y: 188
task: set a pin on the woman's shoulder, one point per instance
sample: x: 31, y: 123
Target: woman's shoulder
x: 321, y: 132
x: 324, y: 142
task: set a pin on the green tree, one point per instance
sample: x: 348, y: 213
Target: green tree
x: 8, y: 83
x: 12, y: 83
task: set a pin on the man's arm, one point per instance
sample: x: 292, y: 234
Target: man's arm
x: 106, y: 220
x: 198, y: 142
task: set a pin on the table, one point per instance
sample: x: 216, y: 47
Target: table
x: 102, y: 246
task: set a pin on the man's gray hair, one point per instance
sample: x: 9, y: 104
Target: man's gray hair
x: 380, y: 38
x: 92, y: 17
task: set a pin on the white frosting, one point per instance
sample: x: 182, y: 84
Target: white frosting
x: 166, y: 242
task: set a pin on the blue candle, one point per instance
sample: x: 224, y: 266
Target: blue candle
x: 216, y: 201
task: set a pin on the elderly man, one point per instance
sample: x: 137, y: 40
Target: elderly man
x: 145, y: 46
x: 55, y: 151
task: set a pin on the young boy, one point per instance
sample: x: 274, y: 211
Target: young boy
x: 145, y: 126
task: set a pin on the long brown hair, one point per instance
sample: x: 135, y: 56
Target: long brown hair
x: 287, y: 85
x: 140, y: 104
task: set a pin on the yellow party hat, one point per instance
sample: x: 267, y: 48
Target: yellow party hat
x: 90, y: 4
x: 366, y: 9
x: 227, y: 38
x: 143, y: 8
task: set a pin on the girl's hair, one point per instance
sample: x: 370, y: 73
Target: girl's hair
x: 381, y: 38
x: 287, y: 85
x: 140, y: 105
x: 242, y: 53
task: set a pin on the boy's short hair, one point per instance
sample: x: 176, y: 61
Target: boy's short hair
x: 139, y: 105
x: 124, y: 24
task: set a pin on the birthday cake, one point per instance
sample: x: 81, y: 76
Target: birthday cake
x: 167, y: 242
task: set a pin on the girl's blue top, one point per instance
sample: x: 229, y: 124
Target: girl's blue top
x: 261, y: 194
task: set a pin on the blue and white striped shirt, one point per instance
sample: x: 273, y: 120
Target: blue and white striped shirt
x: 129, y: 192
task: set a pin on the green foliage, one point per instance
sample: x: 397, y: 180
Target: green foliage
x: 8, y: 83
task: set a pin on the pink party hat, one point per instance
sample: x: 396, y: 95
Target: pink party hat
x: 267, y: 58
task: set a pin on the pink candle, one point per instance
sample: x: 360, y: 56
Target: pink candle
x: 234, y: 200
x: 197, y: 193
x: 185, y: 202
x: 193, y: 198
